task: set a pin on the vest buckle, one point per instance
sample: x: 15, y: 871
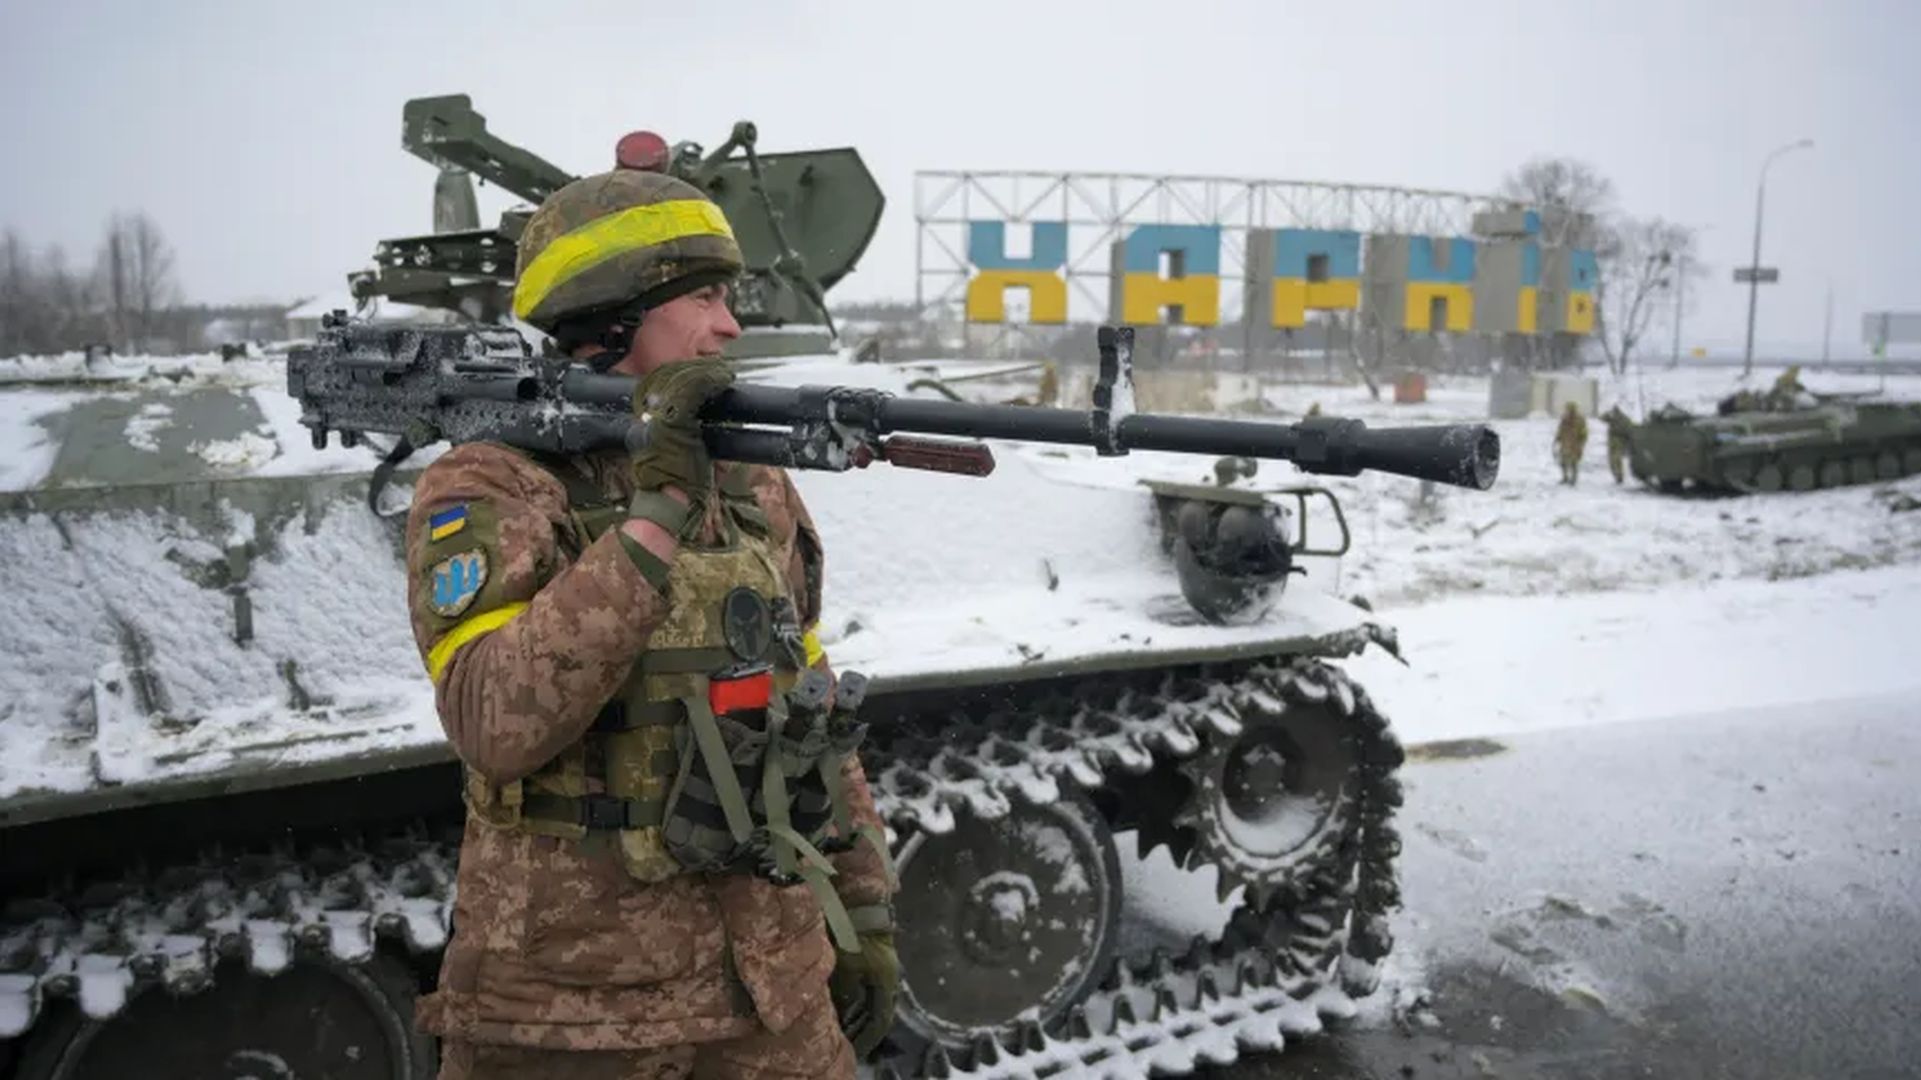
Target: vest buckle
x: 600, y: 810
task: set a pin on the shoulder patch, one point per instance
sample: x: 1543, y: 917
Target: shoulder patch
x: 456, y: 581
x: 447, y: 522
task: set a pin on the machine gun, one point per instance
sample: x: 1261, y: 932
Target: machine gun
x: 465, y: 384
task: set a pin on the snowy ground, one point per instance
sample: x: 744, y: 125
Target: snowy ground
x: 1716, y: 895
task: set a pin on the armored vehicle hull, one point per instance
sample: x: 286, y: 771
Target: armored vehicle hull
x: 227, y: 804
x: 1826, y: 444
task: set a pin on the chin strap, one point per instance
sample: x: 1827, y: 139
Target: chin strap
x: 613, y: 345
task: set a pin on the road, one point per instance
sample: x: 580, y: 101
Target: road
x: 1736, y: 895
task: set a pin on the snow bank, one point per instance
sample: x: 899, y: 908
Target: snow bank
x: 1494, y: 665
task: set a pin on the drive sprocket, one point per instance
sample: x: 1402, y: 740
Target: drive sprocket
x: 1278, y: 801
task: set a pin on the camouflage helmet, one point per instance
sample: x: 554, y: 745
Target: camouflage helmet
x: 619, y: 240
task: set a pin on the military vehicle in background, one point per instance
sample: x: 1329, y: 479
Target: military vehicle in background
x: 803, y: 219
x: 1795, y: 441
x: 228, y: 809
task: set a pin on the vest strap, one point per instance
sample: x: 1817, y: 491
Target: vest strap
x: 720, y: 767
x: 593, y: 811
x: 653, y: 569
x: 618, y: 715
x: 838, y: 924
x: 663, y: 510
x: 872, y: 918
x: 873, y: 835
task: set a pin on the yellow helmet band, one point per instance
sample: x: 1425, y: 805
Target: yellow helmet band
x: 636, y: 227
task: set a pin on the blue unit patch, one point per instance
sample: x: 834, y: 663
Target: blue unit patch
x: 456, y: 581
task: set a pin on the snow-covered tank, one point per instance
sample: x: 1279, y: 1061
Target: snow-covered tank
x: 230, y: 821
x: 227, y: 808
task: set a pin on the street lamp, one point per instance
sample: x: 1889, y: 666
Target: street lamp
x: 1754, y: 267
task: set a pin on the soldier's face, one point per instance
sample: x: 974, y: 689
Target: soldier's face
x: 696, y: 324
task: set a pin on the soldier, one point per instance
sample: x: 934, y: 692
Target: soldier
x: 1619, y: 424
x: 608, y: 635
x: 1570, y: 439
x: 1787, y: 389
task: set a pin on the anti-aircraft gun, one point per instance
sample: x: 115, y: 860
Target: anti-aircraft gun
x: 227, y: 805
x: 803, y: 220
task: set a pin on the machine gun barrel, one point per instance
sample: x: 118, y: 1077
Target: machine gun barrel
x: 1464, y: 455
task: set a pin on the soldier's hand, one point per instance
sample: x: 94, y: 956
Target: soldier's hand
x: 668, y: 450
x: 865, y: 986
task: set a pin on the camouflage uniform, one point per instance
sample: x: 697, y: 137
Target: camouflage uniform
x: 1618, y: 424
x: 1787, y: 390
x: 556, y: 946
x: 1570, y: 439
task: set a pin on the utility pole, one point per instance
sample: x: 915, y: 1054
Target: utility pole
x: 1827, y: 324
x: 1754, y: 267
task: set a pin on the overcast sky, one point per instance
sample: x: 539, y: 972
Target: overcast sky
x: 264, y: 136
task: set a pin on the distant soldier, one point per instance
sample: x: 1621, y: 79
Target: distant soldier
x: 1570, y: 438
x: 1049, y: 392
x: 1314, y: 409
x: 1787, y: 389
x: 1618, y: 424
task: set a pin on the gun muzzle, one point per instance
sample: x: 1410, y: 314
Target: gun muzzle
x: 1465, y: 455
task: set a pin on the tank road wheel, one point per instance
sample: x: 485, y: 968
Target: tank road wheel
x: 1737, y: 475
x: 1834, y: 473
x: 1801, y: 477
x: 1769, y: 477
x: 1008, y: 920
x: 1861, y: 470
x: 1887, y: 465
x: 316, y: 1019
x: 1911, y: 460
x: 1271, y: 806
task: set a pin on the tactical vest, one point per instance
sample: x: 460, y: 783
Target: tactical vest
x: 704, y: 765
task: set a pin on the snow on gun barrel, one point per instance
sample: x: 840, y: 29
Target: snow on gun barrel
x: 426, y: 383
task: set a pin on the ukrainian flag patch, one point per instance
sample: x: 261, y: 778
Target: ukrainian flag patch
x: 447, y: 522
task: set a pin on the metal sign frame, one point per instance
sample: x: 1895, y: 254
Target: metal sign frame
x: 1100, y: 207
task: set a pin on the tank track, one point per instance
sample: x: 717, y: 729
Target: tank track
x: 1085, y: 739
x: 1289, y: 956
x: 1272, y: 973
x: 101, y: 946
x: 1263, y: 981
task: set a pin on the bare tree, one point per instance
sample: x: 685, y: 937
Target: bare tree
x: 72, y: 300
x: 1561, y: 184
x: 1639, y: 259
x: 135, y: 271
x: 17, y: 293
x: 1576, y: 197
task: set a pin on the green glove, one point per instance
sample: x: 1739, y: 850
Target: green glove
x: 864, y: 987
x: 667, y: 402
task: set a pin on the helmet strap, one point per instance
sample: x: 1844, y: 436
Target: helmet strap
x: 615, y: 340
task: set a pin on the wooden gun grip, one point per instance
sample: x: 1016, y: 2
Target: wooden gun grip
x: 937, y: 455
